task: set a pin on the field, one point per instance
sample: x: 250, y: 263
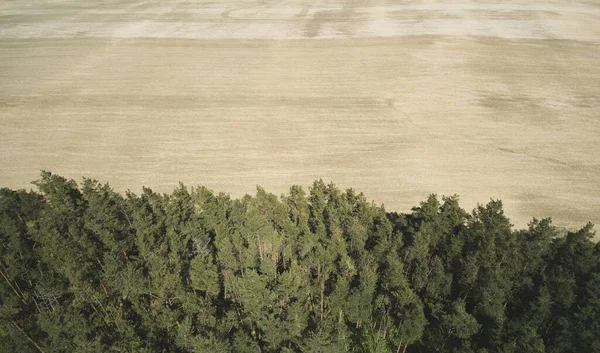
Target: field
x: 397, y: 99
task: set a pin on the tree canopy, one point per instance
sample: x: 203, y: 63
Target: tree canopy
x: 86, y: 269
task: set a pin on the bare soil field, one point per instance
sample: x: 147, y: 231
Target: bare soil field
x: 398, y: 99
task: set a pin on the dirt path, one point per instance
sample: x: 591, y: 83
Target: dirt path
x: 479, y: 99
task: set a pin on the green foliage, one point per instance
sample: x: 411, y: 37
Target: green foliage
x: 85, y: 269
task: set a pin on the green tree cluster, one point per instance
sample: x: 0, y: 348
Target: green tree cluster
x: 85, y: 269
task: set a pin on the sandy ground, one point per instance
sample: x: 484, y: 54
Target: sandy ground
x: 397, y: 99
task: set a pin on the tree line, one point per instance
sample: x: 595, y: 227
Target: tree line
x: 86, y: 269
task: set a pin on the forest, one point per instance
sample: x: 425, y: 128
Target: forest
x: 87, y: 269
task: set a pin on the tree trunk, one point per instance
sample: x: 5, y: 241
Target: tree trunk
x: 10, y: 284
x: 322, y: 299
x: 322, y: 288
x: 385, y: 330
x: 26, y: 335
x: 260, y: 250
x: 275, y: 260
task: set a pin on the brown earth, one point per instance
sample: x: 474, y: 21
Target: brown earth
x: 478, y: 99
